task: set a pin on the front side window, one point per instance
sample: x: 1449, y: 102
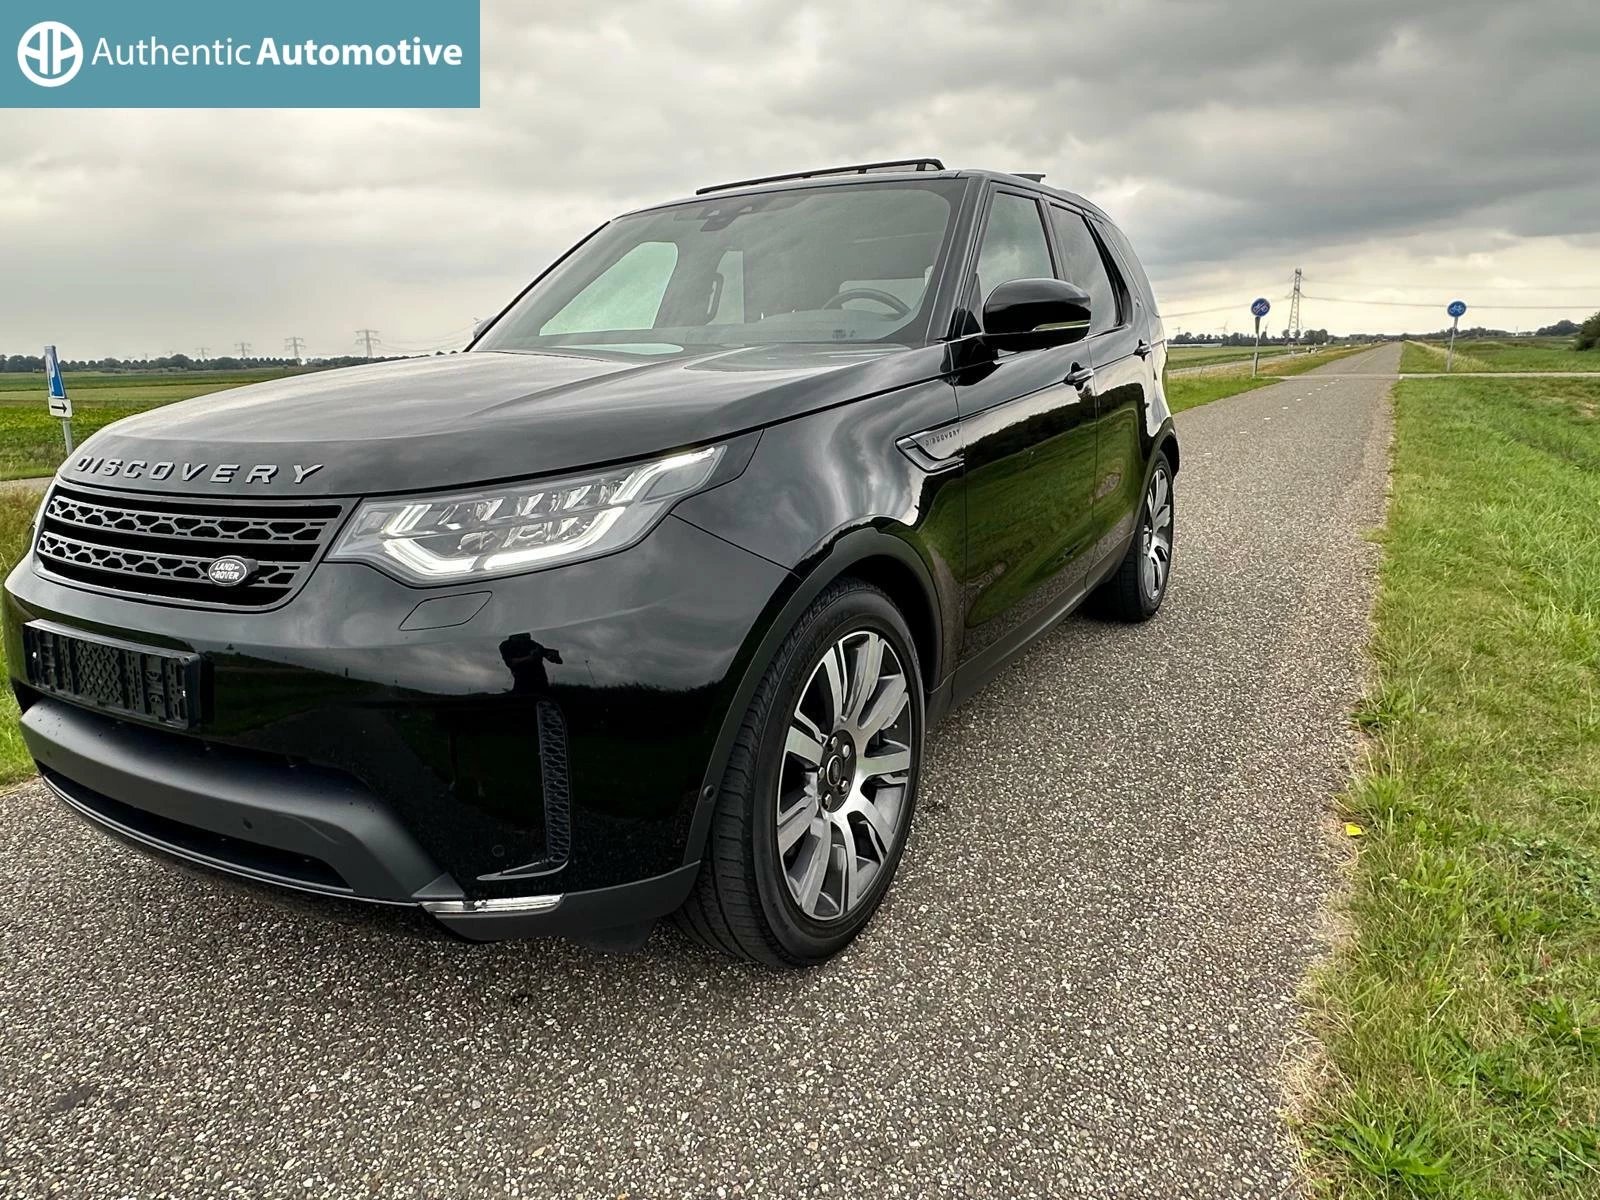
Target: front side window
x: 1014, y: 245
x: 828, y: 264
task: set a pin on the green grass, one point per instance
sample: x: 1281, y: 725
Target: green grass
x: 1199, y: 356
x: 16, y: 515
x: 1193, y: 390
x: 1486, y: 355
x: 1462, y: 1020
x: 115, y: 381
x: 30, y: 438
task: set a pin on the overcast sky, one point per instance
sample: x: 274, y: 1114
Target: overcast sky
x: 1397, y: 151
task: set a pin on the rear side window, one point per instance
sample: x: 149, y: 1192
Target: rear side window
x: 1014, y: 245
x: 1131, y: 266
x: 1082, y: 264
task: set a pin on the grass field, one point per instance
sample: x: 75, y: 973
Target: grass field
x: 1193, y: 390
x: 16, y: 515
x: 1204, y: 356
x: 1544, y: 355
x: 1461, y: 1022
x: 30, y: 438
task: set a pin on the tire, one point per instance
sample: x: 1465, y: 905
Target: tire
x: 1128, y: 595
x: 751, y: 896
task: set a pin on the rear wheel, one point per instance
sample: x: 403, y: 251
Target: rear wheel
x: 820, y: 788
x: 1135, y: 592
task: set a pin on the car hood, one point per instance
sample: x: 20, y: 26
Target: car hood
x: 476, y: 417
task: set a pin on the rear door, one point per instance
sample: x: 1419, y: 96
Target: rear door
x: 1120, y: 354
x: 1029, y: 450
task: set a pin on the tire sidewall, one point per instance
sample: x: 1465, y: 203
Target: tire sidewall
x: 852, y: 610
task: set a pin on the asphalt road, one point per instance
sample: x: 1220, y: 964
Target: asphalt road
x: 1082, y: 983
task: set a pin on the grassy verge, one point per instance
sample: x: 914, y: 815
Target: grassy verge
x: 1193, y: 390
x: 16, y: 515
x: 1462, y: 1022
x: 1477, y: 355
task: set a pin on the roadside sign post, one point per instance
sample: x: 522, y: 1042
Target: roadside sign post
x: 1258, y: 310
x: 1457, y: 310
x: 60, y: 406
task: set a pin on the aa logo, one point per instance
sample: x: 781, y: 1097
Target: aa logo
x: 50, y: 54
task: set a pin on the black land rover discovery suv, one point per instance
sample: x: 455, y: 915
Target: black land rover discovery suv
x: 643, y: 604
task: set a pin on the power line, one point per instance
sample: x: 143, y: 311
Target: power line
x: 204, y: 351
x: 369, y: 336
x: 1198, y: 312
x: 1294, y: 306
x: 1592, y: 288
x: 293, y: 345
x: 244, y: 349
x: 1570, y: 305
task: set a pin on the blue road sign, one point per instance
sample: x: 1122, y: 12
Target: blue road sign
x: 60, y: 406
x: 1261, y: 308
x: 52, y: 369
x: 1458, y: 308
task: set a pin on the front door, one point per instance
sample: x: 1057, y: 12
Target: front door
x: 1030, y: 455
x: 1120, y: 354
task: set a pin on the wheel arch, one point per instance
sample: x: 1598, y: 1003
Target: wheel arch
x: 872, y: 555
x: 1166, y: 442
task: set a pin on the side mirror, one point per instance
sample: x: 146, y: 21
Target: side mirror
x: 1031, y: 314
x: 477, y: 330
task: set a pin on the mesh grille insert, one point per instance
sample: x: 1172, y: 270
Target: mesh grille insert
x: 162, y: 546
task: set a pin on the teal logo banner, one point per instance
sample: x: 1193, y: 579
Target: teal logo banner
x: 279, y: 54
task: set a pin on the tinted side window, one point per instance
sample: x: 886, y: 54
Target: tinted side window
x: 1081, y: 264
x: 1014, y: 245
x: 1130, y: 261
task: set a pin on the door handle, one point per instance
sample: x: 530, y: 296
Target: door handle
x: 1142, y: 349
x: 1079, y: 377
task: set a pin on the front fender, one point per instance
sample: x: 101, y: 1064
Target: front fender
x: 831, y: 495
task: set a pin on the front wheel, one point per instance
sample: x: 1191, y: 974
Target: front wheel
x: 820, y: 788
x: 1135, y: 591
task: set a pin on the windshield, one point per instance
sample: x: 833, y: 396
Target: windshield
x: 828, y: 264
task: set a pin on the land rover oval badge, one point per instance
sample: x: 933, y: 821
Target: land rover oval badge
x: 230, y: 571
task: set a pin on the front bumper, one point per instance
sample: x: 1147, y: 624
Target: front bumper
x: 534, y: 768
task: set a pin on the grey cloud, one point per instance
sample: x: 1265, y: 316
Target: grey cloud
x: 1230, y: 138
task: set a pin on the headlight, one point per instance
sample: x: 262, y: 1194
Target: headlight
x: 521, y: 526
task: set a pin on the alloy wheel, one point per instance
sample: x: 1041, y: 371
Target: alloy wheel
x: 1157, y: 535
x: 845, y: 775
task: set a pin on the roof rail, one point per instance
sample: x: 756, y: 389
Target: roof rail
x: 913, y: 164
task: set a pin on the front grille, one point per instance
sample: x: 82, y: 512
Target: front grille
x: 162, y: 546
x: 132, y: 681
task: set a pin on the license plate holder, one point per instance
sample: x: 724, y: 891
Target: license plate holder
x: 142, y: 683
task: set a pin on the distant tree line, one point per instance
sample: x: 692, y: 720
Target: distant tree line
x: 1585, y: 336
x: 1313, y: 337
x: 23, y: 363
